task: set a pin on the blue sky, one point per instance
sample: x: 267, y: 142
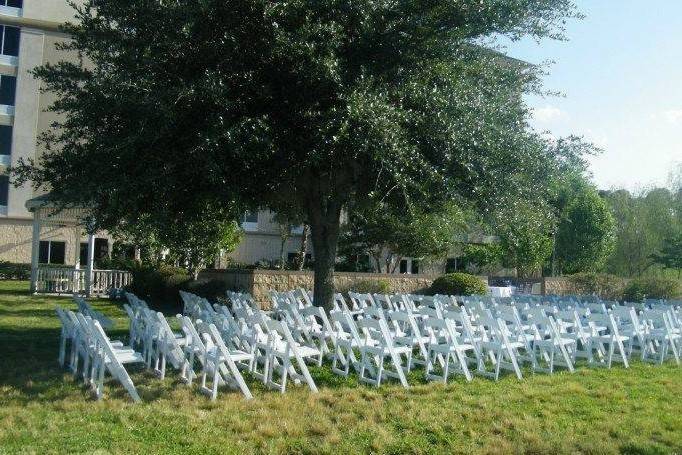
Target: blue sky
x: 621, y: 77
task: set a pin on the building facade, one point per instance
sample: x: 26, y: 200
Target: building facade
x: 29, y: 33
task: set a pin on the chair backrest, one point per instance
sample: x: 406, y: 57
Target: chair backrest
x: 340, y: 303
x: 344, y: 326
x: 567, y: 320
x: 384, y: 302
x: 361, y: 301
x: 373, y: 312
x: 317, y: 317
x: 68, y: 326
x: 605, y: 319
x: 169, y: 342
x: 192, y: 337
x: 656, y: 319
x: 626, y: 317
x: 85, y: 329
x: 403, y: 323
x: 85, y: 308
x: 375, y: 331
x: 441, y: 330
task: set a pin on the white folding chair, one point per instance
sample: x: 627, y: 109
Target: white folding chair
x: 281, y: 349
x: 67, y: 335
x: 113, y: 360
x: 496, y: 343
x: 85, y: 308
x: 346, y: 341
x: 660, y: 337
x: 606, y: 337
x: 445, y: 349
x: 220, y: 363
x: 550, y: 344
x: 377, y: 346
x: 405, y: 332
x: 170, y: 348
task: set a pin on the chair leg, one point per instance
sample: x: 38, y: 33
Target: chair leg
x: 446, y: 368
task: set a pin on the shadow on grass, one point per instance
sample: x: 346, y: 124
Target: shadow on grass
x: 31, y: 313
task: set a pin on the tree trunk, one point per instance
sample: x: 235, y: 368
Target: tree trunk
x: 325, y: 220
x: 304, y: 246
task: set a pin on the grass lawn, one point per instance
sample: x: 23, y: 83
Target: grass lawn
x: 43, y: 410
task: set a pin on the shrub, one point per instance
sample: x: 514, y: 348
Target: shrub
x: 115, y: 263
x: 651, y: 288
x: 609, y: 287
x: 372, y: 287
x: 459, y: 284
x: 12, y: 271
x: 366, y: 287
x: 159, y: 285
x: 212, y: 290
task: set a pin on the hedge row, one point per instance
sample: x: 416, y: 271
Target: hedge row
x: 11, y: 271
x: 611, y: 287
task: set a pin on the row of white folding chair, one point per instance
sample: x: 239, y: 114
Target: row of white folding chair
x: 242, y: 299
x: 85, y: 308
x: 386, y: 341
x: 204, y: 344
x: 276, y: 354
x: 162, y: 345
x: 98, y: 353
x: 662, y: 338
x: 594, y: 332
x: 538, y: 341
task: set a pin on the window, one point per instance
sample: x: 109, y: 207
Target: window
x: 9, y: 40
x: 250, y: 221
x: 83, y: 254
x: 101, y: 250
x: 403, y: 266
x: 4, y: 190
x: 415, y: 267
x: 8, y: 88
x: 51, y: 252
x: 12, y: 3
x: 5, y: 140
x: 250, y: 217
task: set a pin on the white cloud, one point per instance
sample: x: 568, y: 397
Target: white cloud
x: 672, y: 116
x: 598, y: 139
x: 547, y: 114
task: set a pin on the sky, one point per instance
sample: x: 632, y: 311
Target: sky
x: 620, y: 74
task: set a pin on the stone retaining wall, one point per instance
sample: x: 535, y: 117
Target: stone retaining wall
x: 558, y: 286
x: 259, y: 282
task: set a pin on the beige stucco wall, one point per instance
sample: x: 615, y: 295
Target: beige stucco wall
x: 31, y: 119
x: 15, y: 240
x: 263, y: 243
x: 26, y: 114
x: 257, y: 246
x: 47, y: 11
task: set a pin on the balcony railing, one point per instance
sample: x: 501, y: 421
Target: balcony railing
x: 64, y: 280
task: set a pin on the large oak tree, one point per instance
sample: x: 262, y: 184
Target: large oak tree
x: 180, y: 105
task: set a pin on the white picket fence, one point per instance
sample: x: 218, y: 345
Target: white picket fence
x: 64, y: 280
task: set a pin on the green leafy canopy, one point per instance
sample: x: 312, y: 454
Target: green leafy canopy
x: 188, y: 107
